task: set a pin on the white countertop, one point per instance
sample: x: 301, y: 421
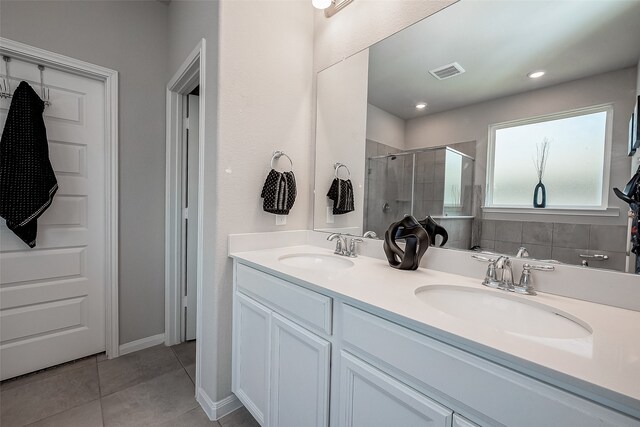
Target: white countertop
x: 604, y: 367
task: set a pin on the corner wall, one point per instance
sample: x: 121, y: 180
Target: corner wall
x: 264, y: 103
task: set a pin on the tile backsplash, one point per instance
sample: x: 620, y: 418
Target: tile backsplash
x: 559, y: 241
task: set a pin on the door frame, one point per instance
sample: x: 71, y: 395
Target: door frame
x: 189, y: 75
x: 109, y: 78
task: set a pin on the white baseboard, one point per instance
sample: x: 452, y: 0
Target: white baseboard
x: 217, y: 410
x: 141, y: 344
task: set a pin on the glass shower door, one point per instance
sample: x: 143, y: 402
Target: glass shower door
x: 389, y: 191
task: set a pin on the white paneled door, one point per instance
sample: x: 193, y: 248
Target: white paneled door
x: 52, y: 297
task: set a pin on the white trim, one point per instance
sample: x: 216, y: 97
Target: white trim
x: 191, y: 73
x: 217, y: 410
x: 141, y: 344
x: 550, y: 210
x: 606, y: 173
x: 110, y: 79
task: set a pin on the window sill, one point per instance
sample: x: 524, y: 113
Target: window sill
x: 609, y: 212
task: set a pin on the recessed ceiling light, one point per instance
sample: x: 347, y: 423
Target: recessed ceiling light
x: 421, y: 105
x: 321, y: 4
x: 535, y: 74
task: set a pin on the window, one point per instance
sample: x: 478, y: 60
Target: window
x: 576, y: 173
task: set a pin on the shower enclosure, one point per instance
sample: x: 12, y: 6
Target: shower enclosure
x: 430, y: 181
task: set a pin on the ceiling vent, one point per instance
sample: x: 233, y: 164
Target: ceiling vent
x: 447, y: 71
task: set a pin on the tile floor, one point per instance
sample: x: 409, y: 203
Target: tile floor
x: 149, y: 387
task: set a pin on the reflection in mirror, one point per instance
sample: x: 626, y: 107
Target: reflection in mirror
x: 444, y: 119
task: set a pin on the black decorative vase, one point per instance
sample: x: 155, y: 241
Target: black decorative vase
x: 540, y: 196
x: 416, y: 240
x: 434, y: 229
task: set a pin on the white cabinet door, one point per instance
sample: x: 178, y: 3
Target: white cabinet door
x: 251, y: 344
x: 299, y: 376
x: 459, y: 421
x: 370, y: 398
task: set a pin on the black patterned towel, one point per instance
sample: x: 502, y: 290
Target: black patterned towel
x: 27, y: 180
x: 279, y: 192
x: 341, y: 192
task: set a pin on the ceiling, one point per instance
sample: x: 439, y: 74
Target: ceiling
x: 498, y: 43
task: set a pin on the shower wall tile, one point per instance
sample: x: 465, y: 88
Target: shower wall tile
x: 438, y: 171
x: 608, y: 237
x: 538, y: 233
x: 538, y: 251
x: 488, y: 230
x: 509, y: 231
x: 487, y: 245
x: 507, y: 248
x: 567, y: 255
x: 616, y: 261
x: 570, y: 235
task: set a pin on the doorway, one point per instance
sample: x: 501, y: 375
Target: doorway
x: 183, y: 204
x: 189, y: 244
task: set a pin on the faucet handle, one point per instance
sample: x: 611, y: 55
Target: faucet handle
x: 525, y: 286
x: 340, y: 250
x: 352, y: 247
x: 483, y: 258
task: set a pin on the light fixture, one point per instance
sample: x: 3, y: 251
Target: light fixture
x: 535, y: 74
x: 321, y: 4
x: 421, y: 105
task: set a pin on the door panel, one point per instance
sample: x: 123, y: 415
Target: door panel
x: 370, y: 398
x: 251, y: 368
x: 52, y: 297
x: 299, y: 376
x: 192, y: 221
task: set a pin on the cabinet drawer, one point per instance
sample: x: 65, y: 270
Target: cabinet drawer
x: 306, y: 307
x: 465, y: 380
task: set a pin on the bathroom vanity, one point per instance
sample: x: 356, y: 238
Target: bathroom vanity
x: 320, y: 339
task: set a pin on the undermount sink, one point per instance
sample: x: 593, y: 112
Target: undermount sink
x: 316, y: 261
x: 506, y: 313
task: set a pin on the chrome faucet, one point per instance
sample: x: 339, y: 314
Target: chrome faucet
x: 341, y: 243
x: 522, y: 252
x: 370, y: 235
x: 525, y: 286
x: 504, y: 273
x: 500, y: 275
x: 351, y: 253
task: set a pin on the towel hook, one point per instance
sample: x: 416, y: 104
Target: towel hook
x: 45, y: 93
x: 5, y: 84
x: 341, y: 165
x: 277, y: 154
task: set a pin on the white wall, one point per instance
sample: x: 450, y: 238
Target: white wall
x: 129, y: 37
x: 264, y: 103
x: 472, y: 122
x: 385, y: 128
x: 363, y: 23
x: 340, y: 137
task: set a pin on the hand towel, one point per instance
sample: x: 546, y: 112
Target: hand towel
x: 279, y: 192
x: 341, y: 192
x: 27, y: 180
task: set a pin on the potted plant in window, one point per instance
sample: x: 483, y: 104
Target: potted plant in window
x: 540, y: 162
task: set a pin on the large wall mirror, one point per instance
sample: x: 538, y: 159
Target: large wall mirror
x: 446, y: 119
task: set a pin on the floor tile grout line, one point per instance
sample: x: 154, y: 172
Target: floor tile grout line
x: 182, y: 364
x: 100, y: 394
x: 69, y: 408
